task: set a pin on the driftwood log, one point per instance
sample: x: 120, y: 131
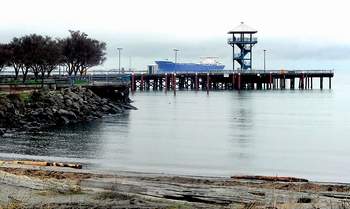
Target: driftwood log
x: 42, y: 163
x: 271, y: 178
x: 37, y: 183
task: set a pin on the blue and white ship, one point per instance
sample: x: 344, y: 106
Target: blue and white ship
x: 207, y: 64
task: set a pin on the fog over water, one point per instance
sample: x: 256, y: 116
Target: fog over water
x: 282, y: 53
x: 317, y: 37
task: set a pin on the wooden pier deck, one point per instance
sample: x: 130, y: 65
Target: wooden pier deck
x: 283, y: 79
x: 223, y: 80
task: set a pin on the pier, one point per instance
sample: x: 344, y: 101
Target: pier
x: 244, y: 77
x: 220, y: 80
x: 238, y: 80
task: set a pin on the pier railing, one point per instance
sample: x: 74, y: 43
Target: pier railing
x: 285, y: 71
x: 242, y: 40
x: 104, y: 79
x: 65, y: 81
x: 245, y: 72
x: 228, y: 79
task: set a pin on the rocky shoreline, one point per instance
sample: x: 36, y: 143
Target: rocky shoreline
x: 38, y: 110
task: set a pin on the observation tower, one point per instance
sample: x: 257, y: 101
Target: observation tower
x: 242, y: 41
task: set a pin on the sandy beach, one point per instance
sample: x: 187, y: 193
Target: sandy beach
x: 25, y: 186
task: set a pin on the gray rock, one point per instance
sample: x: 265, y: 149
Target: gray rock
x: 81, y: 101
x: 104, y: 101
x: 74, y: 96
x: 113, y: 111
x: 89, y: 93
x: 63, y: 120
x: 76, y: 106
x: 128, y: 106
x: 68, y: 102
x: 50, y: 108
x: 2, y: 114
x: 67, y: 113
x: 115, y: 107
x: 106, y: 108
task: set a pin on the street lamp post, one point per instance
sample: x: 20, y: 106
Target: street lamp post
x: 130, y: 64
x: 175, y: 50
x: 264, y: 60
x: 119, y: 50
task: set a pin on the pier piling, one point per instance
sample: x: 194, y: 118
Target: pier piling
x: 208, y: 83
x: 239, y: 81
x: 133, y: 84
x: 142, y: 83
x: 174, y: 83
x: 311, y: 82
x: 292, y: 83
x: 235, y: 80
x: 166, y: 86
x: 302, y: 84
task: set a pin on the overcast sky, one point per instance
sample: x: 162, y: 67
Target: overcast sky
x: 296, y: 33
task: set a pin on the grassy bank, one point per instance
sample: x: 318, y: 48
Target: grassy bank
x: 23, y: 96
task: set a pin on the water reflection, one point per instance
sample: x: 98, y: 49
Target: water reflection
x: 241, y: 126
x: 76, y: 141
x: 114, y: 141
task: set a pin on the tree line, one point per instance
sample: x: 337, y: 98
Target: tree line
x: 40, y: 55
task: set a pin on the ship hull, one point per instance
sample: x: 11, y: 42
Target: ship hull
x: 171, y: 67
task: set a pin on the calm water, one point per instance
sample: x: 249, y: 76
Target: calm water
x: 296, y: 133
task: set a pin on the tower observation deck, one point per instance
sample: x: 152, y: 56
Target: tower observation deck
x: 242, y: 39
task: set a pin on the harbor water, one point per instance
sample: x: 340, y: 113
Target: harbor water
x: 302, y: 133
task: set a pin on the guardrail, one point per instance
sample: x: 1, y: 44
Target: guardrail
x: 98, y: 79
x: 286, y: 71
x: 104, y: 79
x: 245, y: 72
x: 57, y: 72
